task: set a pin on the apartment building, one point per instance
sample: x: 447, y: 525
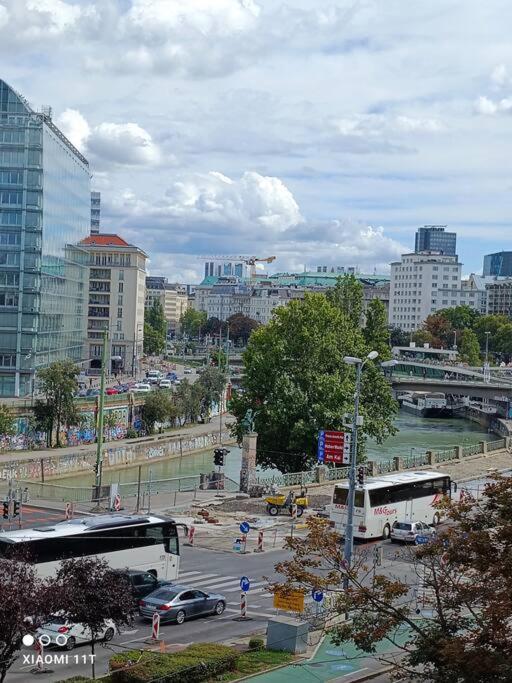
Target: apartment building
x: 117, y: 279
x: 499, y: 297
x: 174, y: 298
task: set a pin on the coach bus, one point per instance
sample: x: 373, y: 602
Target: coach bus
x: 382, y: 500
x: 143, y: 542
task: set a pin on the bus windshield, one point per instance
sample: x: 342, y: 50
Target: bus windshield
x: 341, y: 496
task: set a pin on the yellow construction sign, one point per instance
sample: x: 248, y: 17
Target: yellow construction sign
x: 291, y: 602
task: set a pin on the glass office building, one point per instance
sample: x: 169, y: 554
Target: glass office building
x: 498, y: 264
x: 44, y: 212
x: 434, y: 238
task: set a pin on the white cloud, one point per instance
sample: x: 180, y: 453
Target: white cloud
x: 119, y: 143
x: 486, y: 106
x: 4, y: 16
x: 75, y: 127
x: 500, y: 75
x: 414, y: 125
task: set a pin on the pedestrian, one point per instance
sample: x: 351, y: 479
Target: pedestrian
x: 90, y: 381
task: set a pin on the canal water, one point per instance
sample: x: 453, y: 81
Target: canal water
x: 415, y: 436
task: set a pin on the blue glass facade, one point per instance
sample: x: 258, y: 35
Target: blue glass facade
x: 498, y: 264
x: 434, y: 238
x: 44, y: 212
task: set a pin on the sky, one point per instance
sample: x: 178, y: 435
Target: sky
x: 316, y: 131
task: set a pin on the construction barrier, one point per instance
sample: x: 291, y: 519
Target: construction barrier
x: 69, y: 510
x: 155, y: 626
x: 117, y: 502
x: 259, y: 549
x: 191, y: 534
x: 243, y: 606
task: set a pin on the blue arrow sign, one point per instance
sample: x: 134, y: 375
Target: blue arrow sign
x: 317, y: 596
x: 321, y: 446
x: 421, y: 540
x: 245, y: 527
x: 245, y: 584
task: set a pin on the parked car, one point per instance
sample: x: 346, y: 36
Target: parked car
x: 154, y: 376
x: 177, y: 603
x: 81, y: 393
x: 165, y: 384
x: 188, y: 371
x: 142, y: 388
x: 142, y: 583
x: 408, y: 532
x: 72, y: 634
x: 177, y: 382
x: 171, y: 375
x: 93, y: 392
x: 112, y: 391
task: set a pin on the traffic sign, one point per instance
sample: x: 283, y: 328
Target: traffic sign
x: 421, y: 540
x: 137, y: 424
x: 317, y: 596
x: 245, y: 527
x: 245, y: 584
x: 293, y: 601
x: 334, y: 447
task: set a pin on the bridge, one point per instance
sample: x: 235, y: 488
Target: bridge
x: 457, y: 387
x: 452, y: 371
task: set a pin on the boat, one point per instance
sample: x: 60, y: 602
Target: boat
x: 425, y: 404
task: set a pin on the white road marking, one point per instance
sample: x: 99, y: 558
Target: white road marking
x: 226, y: 581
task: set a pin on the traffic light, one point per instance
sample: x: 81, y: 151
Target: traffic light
x: 16, y: 508
x: 360, y: 476
x: 5, y: 509
x: 218, y: 457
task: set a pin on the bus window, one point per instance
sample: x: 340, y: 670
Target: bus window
x: 341, y: 495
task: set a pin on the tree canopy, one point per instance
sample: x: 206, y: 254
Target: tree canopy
x: 241, y: 327
x: 454, y: 603
x: 6, y: 421
x: 469, y: 348
x: 297, y: 383
x: 192, y: 322
x: 155, y: 329
x: 376, y: 331
x: 58, y: 383
x: 347, y: 295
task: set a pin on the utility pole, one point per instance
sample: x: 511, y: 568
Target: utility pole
x: 487, y: 346
x: 99, y: 422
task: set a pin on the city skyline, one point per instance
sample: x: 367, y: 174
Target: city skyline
x: 215, y: 127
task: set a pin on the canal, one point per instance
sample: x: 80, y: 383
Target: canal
x: 415, y: 436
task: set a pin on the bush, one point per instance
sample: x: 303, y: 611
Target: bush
x: 200, y: 662
x: 256, y: 644
x: 131, y: 433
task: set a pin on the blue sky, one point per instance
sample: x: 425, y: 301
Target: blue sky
x: 317, y: 131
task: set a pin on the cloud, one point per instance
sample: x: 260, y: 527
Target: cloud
x: 500, y: 75
x: 487, y: 107
x: 4, y: 16
x: 118, y: 143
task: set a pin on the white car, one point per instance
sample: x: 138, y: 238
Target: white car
x: 142, y: 388
x: 408, y: 532
x: 177, y: 382
x: 188, y: 371
x: 165, y: 384
x: 63, y: 633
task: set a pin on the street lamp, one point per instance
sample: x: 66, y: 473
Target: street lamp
x: 487, y: 346
x: 356, y: 422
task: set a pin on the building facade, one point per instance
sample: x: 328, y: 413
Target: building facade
x: 498, y: 264
x: 173, y: 297
x: 44, y: 213
x: 95, y: 212
x: 435, y: 238
x: 499, y: 297
x: 117, y: 278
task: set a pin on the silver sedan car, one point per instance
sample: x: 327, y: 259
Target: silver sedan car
x: 177, y: 603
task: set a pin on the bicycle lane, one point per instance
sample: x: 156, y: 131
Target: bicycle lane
x: 334, y: 663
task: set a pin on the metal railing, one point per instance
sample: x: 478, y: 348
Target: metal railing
x: 336, y: 473
x: 415, y: 460
x: 445, y: 455
x: 496, y: 445
x: 475, y: 449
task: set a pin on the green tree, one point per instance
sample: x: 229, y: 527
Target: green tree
x: 189, y: 397
x: 192, y: 322
x: 154, y: 342
x: 491, y: 324
x: 213, y: 326
x: 155, y: 329
x: 156, y: 408
x: 397, y: 337
x: 7, y: 427
x: 297, y: 383
x: 460, y: 317
x: 241, y: 327
x: 44, y: 418
x: 58, y: 384
x: 469, y: 348
x: 502, y: 341
x: 348, y: 296
x: 421, y: 337
x: 441, y: 330
x: 211, y: 383
x: 376, y: 331
x: 218, y: 358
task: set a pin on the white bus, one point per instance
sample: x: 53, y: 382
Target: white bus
x: 143, y: 542
x: 387, y: 498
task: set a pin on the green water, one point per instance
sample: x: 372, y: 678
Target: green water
x: 415, y: 436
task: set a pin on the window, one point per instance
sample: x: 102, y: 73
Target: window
x: 120, y: 300
x: 408, y: 491
x: 9, y: 238
x: 9, y: 259
x: 121, y: 275
x: 8, y: 299
x: 8, y: 360
x: 9, y: 279
x: 454, y: 277
x: 10, y: 217
x: 340, y: 497
x: 119, y: 325
x: 121, y: 287
x: 119, y: 312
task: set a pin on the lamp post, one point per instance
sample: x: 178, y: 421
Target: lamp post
x: 487, y: 346
x: 356, y: 423
x: 99, y: 422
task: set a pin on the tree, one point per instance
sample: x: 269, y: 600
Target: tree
x: 489, y: 323
x: 347, y: 295
x: 376, y: 331
x: 398, y: 337
x: 58, y: 384
x: 502, y: 341
x: 241, y: 327
x: 156, y: 408
x: 296, y: 383
x: 7, y: 427
x: 462, y: 580
x: 192, y: 322
x: 155, y: 329
x: 218, y: 358
x: 90, y: 593
x: 421, y: 337
x: 469, y: 348
x: 211, y: 383
x: 441, y: 330
x: 214, y: 326
x: 44, y: 417
x: 460, y: 317
x: 189, y: 399
x: 22, y: 595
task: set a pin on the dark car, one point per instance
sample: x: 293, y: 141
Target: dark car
x: 177, y: 603
x: 142, y: 583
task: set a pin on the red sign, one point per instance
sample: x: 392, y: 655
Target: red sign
x: 337, y: 447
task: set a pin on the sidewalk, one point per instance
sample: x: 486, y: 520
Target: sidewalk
x: 186, y: 431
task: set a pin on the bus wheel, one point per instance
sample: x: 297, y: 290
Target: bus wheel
x: 437, y: 519
x: 386, y: 532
